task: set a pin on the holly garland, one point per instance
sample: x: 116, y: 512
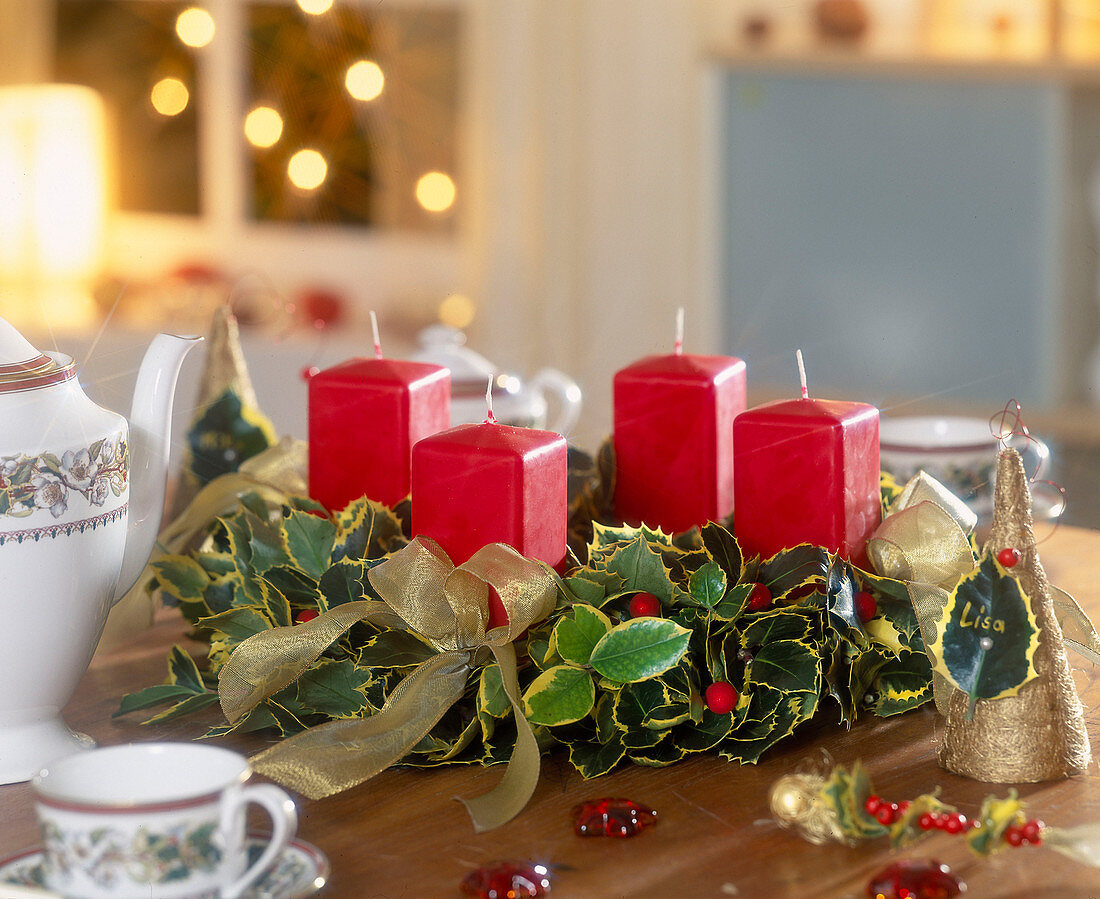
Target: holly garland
x: 602, y: 675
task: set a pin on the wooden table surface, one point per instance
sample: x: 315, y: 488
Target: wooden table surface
x: 403, y: 834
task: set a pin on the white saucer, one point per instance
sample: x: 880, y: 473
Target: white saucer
x: 301, y: 870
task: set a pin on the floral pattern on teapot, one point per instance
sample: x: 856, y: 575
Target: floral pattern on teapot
x: 32, y: 485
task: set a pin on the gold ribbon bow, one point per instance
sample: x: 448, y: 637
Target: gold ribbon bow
x: 924, y: 541
x: 423, y: 592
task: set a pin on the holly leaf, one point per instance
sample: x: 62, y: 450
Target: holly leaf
x: 840, y: 594
x: 707, y: 584
x: 989, y: 604
x: 366, y: 529
x: 596, y: 759
x: 642, y: 569
x: 789, y: 666
x: 333, y: 688
x: 491, y: 698
x: 395, y: 649
x: 182, y: 578
x: 799, y: 566
x: 309, y: 541
x: 560, y: 695
x: 902, y: 684
x: 639, y: 649
x: 576, y: 635
x: 586, y: 591
x: 723, y: 549
x: 732, y: 604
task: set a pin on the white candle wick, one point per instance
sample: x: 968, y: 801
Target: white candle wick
x: 678, y: 347
x: 490, y: 419
x: 802, y: 374
x: 374, y: 331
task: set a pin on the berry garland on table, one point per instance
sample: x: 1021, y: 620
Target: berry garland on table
x: 658, y: 647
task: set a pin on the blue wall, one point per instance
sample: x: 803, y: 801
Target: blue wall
x: 901, y: 233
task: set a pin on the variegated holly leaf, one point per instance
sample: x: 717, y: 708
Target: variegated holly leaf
x: 722, y: 548
x: 577, y: 633
x: 841, y: 588
x: 309, y: 541
x: 996, y: 816
x: 596, y: 759
x: 560, y: 695
x: 988, y: 634
x: 640, y: 648
x: 366, y: 529
x: 787, y: 666
x: 801, y: 566
x: 707, y: 584
x: 902, y: 684
x: 641, y: 568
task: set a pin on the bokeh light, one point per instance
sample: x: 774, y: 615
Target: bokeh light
x: 457, y: 310
x: 307, y: 169
x: 364, y: 80
x: 263, y: 127
x: 195, y: 27
x: 315, y: 7
x: 170, y: 96
x: 435, y: 191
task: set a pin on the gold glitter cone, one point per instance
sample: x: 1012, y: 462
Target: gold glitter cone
x: 1038, y: 734
x: 225, y: 365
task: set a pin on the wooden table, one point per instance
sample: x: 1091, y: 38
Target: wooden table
x: 402, y: 834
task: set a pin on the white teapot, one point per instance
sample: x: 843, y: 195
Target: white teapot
x: 514, y: 402
x: 75, y: 533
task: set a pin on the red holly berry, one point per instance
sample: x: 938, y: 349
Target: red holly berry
x: 721, y: 697
x: 1032, y: 831
x: 305, y: 615
x: 873, y: 804
x: 903, y: 806
x: 760, y: 598
x: 1014, y: 835
x: 926, y: 821
x: 956, y: 823
x: 887, y: 813
x: 1009, y: 557
x: 866, y: 607
x: 645, y: 605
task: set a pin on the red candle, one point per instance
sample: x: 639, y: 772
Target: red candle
x: 673, y: 435
x: 806, y: 471
x: 364, y: 417
x: 491, y: 483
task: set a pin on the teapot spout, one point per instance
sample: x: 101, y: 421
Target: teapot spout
x: 150, y: 444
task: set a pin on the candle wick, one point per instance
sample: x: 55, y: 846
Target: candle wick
x: 490, y: 419
x: 374, y: 331
x: 802, y: 374
x: 678, y: 347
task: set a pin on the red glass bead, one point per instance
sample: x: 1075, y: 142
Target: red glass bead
x: 866, y: 606
x: 305, y: 615
x: 611, y: 818
x: 915, y: 879
x: 1033, y: 830
x: 1014, y: 835
x: 760, y: 598
x: 886, y: 813
x: 926, y: 821
x: 721, y: 697
x: 507, y: 880
x: 645, y: 605
x: 873, y: 804
x: 1009, y: 557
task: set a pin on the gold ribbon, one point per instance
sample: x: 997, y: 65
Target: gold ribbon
x: 923, y: 541
x: 423, y: 592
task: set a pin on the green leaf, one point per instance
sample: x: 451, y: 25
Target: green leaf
x: 576, y: 634
x: 642, y: 569
x: 586, y: 591
x: 653, y: 704
x: 366, y: 529
x: 596, y: 759
x: 639, y: 649
x: 237, y: 624
x: 151, y: 696
x: 902, y: 684
x: 788, y: 666
x: 707, y: 584
x: 346, y: 581
x: 278, y: 609
x: 722, y: 547
x: 990, y: 604
x: 840, y: 592
x: 732, y: 604
x: 309, y: 540
x: 559, y: 695
x: 799, y: 566
x: 182, y: 670
x: 333, y: 688
x: 189, y: 706
x: 181, y: 577
x: 491, y: 698
x: 395, y: 649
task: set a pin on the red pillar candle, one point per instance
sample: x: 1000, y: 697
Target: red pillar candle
x: 806, y: 471
x: 673, y: 436
x: 477, y: 484
x: 364, y: 417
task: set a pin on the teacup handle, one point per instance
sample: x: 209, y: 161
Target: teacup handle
x: 568, y: 393
x: 284, y: 823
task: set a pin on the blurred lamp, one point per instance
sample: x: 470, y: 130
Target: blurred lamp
x: 52, y: 204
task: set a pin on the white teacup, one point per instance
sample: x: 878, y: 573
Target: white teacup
x: 959, y: 452
x: 164, y: 820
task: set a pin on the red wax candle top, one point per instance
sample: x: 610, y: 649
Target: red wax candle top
x: 673, y: 436
x: 364, y: 417
x: 491, y: 483
x: 806, y: 471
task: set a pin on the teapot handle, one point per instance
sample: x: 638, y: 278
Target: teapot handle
x: 568, y: 393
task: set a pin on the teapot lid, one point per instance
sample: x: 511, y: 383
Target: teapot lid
x: 443, y: 345
x: 22, y: 367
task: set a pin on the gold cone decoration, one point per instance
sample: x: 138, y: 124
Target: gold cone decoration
x: 1038, y: 734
